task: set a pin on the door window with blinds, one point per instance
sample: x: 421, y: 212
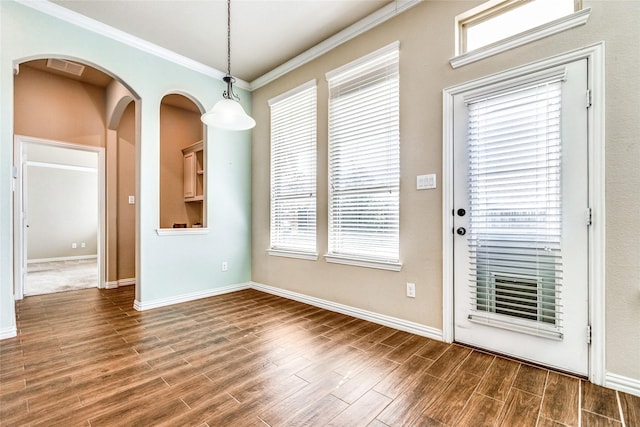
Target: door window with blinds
x: 515, y: 204
x: 293, y: 172
x: 364, y: 161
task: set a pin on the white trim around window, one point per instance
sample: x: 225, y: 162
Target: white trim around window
x: 364, y: 161
x: 573, y: 20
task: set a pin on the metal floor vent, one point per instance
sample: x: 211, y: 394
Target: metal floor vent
x: 65, y: 66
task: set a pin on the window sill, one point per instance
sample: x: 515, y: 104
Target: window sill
x: 181, y: 231
x: 364, y: 262
x: 561, y: 24
x: 311, y: 256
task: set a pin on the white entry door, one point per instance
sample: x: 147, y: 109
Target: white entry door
x: 522, y: 213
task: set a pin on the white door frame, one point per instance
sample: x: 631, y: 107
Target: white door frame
x: 596, y: 182
x: 19, y: 244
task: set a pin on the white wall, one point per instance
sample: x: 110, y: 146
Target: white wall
x: 62, y: 202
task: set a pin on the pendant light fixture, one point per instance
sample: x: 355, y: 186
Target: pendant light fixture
x: 228, y: 113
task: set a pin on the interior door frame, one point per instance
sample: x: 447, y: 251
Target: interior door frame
x: 19, y: 244
x: 595, y: 55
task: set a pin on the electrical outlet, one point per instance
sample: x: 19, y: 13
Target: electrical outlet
x: 225, y: 266
x: 411, y: 290
x: 83, y: 245
x: 74, y: 245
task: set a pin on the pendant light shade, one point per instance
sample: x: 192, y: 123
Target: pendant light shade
x: 228, y: 113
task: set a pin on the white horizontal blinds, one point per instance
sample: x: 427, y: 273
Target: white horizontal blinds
x: 364, y: 157
x: 293, y: 170
x: 514, y: 145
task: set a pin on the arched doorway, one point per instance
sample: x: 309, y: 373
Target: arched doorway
x: 68, y: 103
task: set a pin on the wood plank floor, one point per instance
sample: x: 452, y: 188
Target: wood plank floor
x: 253, y: 359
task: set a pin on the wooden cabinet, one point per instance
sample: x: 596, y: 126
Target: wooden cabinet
x: 193, y: 158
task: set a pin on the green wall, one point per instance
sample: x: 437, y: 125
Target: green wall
x: 168, y: 267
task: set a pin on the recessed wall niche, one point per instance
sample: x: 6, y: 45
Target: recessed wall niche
x: 182, y: 164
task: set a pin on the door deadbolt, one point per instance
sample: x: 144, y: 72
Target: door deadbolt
x: 461, y: 212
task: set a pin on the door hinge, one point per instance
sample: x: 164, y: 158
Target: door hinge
x: 589, y: 217
x: 588, y: 334
x: 589, y: 98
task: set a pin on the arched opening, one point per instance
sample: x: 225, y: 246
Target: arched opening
x: 183, y: 168
x: 73, y: 109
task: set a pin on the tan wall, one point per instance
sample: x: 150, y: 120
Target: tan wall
x: 179, y: 128
x: 126, y: 217
x: 426, y: 36
x: 53, y: 107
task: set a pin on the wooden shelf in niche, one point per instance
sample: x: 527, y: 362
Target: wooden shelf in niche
x: 193, y: 158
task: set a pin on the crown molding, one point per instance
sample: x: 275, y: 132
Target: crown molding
x: 365, y: 24
x: 112, y: 33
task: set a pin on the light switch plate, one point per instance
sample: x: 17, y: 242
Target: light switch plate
x: 426, y: 182
x: 132, y: 200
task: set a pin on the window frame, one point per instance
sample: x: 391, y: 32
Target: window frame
x: 343, y: 73
x: 494, y: 8
x: 279, y: 247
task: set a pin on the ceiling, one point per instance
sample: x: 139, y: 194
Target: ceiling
x: 264, y: 33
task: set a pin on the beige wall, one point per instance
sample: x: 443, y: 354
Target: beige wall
x: 179, y: 128
x: 426, y: 36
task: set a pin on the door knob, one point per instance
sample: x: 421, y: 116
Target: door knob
x: 461, y: 231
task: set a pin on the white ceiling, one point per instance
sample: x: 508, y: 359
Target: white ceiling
x: 264, y: 33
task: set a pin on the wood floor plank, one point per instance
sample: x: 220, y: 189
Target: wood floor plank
x: 599, y: 400
x: 531, y: 379
x: 405, y: 375
x: 445, y: 366
x: 590, y: 419
x: 500, y: 376
x: 405, y: 350
x: 630, y: 405
x: 448, y: 405
x: 361, y: 412
x: 248, y: 358
x: 480, y: 411
x: 521, y: 409
x: 561, y: 399
x: 477, y: 363
x: 410, y: 404
x: 364, y: 380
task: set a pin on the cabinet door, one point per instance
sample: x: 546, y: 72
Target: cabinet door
x: 189, y: 175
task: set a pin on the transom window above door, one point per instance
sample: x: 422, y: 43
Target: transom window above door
x: 499, y: 25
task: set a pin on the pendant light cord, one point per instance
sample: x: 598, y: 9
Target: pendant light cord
x: 229, y: 94
x: 229, y: 37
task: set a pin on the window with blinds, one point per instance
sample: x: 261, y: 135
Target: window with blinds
x: 364, y: 160
x: 293, y: 172
x: 514, y: 185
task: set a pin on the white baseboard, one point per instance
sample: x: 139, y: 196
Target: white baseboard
x: 622, y: 383
x: 9, y: 332
x: 127, y: 282
x: 118, y: 283
x: 148, y: 305
x: 381, y: 319
x: 392, y: 322
x: 63, y: 258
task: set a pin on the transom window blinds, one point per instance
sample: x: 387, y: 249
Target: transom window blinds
x: 293, y: 170
x: 364, y: 157
x: 514, y: 184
